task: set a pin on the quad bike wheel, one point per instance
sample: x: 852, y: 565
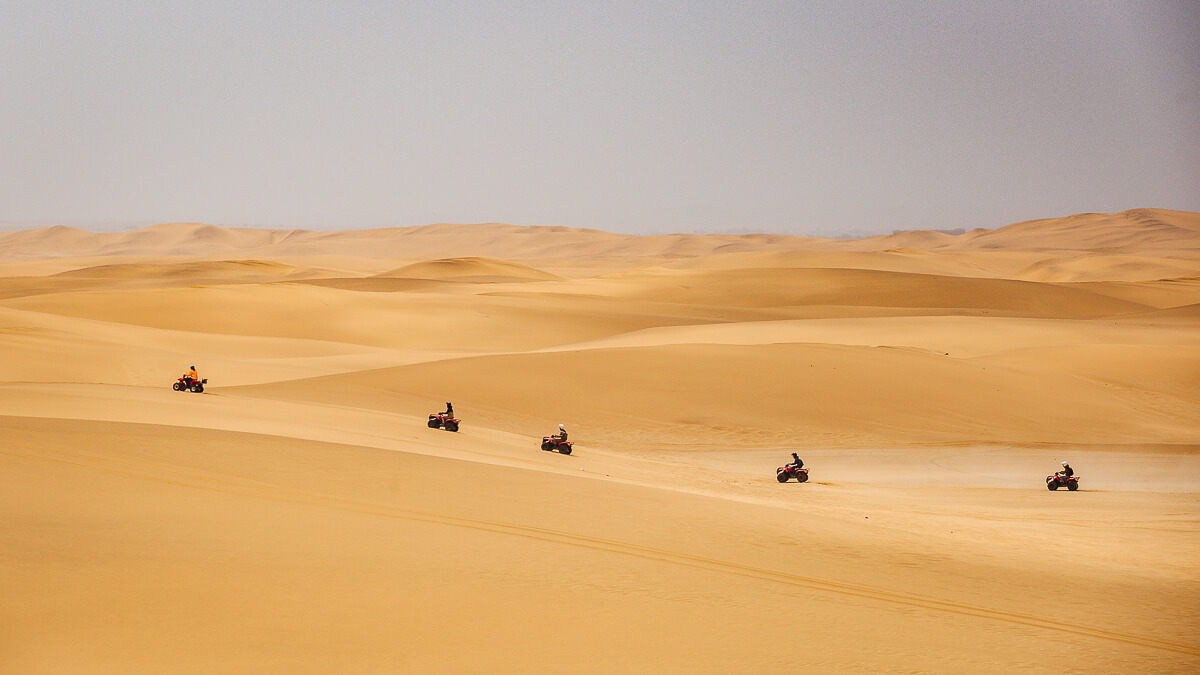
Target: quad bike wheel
x: 546, y: 445
x: 1072, y: 486
x: 781, y: 477
x: 1051, y: 485
x: 178, y: 386
x: 451, y: 426
x: 433, y: 423
x: 564, y: 449
x: 801, y: 477
x: 197, y: 388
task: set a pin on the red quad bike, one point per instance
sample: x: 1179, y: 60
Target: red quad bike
x: 444, y: 421
x: 1055, y: 481
x: 552, y: 443
x: 188, y: 384
x: 783, y: 473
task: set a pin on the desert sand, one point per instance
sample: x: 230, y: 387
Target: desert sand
x: 299, y: 515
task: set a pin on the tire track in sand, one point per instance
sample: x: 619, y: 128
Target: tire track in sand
x: 172, y: 474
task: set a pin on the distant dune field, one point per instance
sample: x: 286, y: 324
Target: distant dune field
x: 299, y: 515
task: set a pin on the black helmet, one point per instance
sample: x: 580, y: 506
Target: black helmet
x: 192, y: 367
x: 447, y: 403
x: 795, y: 455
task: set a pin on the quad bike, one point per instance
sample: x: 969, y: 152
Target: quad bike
x: 1057, y: 480
x: 783, y: 473
x: 552, y: 443
x: 188, y: 384
x: 442, y: 420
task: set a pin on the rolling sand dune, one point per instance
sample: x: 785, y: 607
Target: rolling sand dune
x: 914, y: 261
x: 1161, y: 293
x: 1184, y: 312
x: 1108, y: 268
x: 300, y: 516
x: 829, y: 395
x: 470, y: 269
x: 1174, y: 233
x: 867, y: 288
x: 235, y: 269
x: 1169, y: 234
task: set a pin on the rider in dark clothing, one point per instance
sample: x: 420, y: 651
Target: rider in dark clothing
x: 449, y: 410
x: 796, y: 462
x: 1067, y: 471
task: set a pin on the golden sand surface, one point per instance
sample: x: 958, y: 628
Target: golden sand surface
x: 299, y: 515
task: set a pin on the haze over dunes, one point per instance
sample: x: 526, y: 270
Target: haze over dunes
x: 300, y: 516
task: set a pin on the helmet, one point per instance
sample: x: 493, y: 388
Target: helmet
x: 561, y: 427
x: 795, y: 455
x: 447, y: 402
x: 192, y: 367
x: 1064, y: 463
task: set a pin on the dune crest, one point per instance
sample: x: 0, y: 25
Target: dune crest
x: 470, y: 269
x: 198, y: 270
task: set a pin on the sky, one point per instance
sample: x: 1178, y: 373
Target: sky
x: 821, y: 118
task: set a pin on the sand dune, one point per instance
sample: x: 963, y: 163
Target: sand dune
x: 1155, y: 230
x: 470, y: 269
x: 235, y: 269
x: 1183, y: 312
x: 870, y: 288
x: 1108, y: 268
x: 300, y: 516
x: 1005, y: 264
x: 220, y: 547
x: 830, y: 396
x: 1161, y: 293
x: 1172, y: 234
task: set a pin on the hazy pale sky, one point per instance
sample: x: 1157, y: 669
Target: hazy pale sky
x: 797, y: 117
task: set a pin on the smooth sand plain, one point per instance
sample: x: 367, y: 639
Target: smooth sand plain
x: 300, y: 517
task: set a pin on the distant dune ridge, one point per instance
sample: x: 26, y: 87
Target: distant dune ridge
x: 1139, y: 230
x: 300, y: 515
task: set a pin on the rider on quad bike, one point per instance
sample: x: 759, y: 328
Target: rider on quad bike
x: 1067, y: 471
x: 557, y: 442
x: 190, y: 381
x: 796, y: 462
x: 449, y: 410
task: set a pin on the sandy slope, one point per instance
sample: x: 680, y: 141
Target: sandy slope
x: 299, y: 516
